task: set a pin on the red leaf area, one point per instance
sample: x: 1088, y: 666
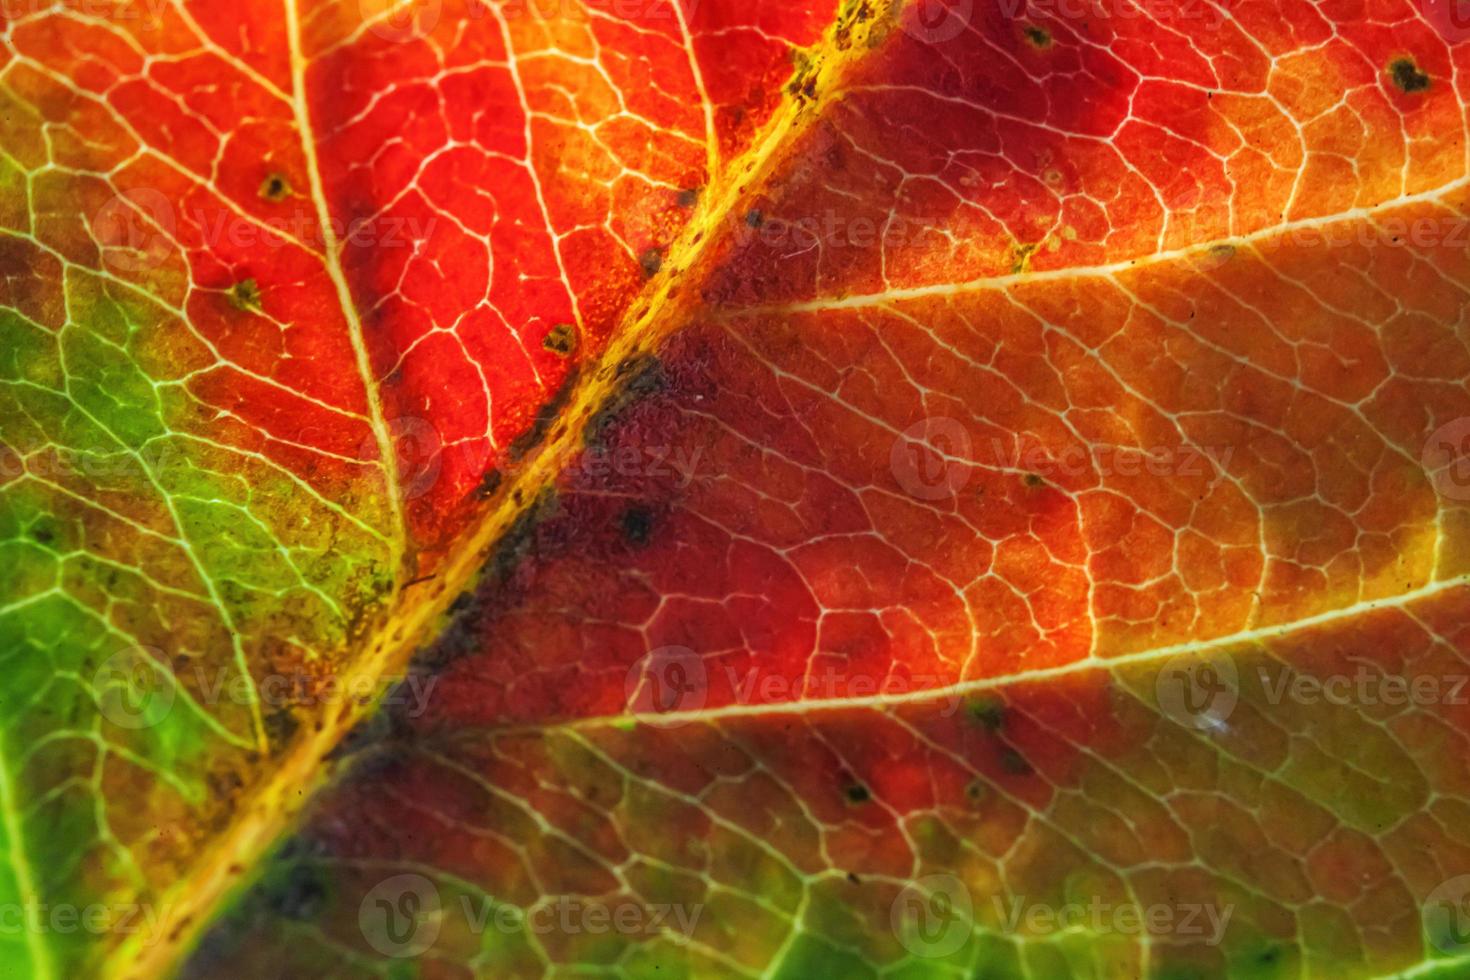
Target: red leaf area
x: 765, y: 519
x: 875, y: 679
x: 495, y: 177
x: 548, y: 163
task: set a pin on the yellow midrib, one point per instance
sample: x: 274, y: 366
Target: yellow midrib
x: 189, y: 907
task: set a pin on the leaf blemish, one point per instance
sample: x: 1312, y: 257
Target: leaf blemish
x: 651, y: 261
x: 245, y: 296
x: 1015, y: 763
x: 989, y: 713
x: 561, y: 339
x: 637, y: 525
x: 1407, y: 76
x: 275, y: 188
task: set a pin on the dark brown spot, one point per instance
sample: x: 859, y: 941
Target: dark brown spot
x: 637, y: 525
x: 489, y: 483
x: 989, y: 713
x: 561, y: 339
x: 1407, y: 76
x: 245, y: 295
x: 275, y: 188
x: 1015, y: 763
x: 651, y: 261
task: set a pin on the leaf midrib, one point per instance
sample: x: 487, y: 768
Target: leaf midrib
x: 420, y: 604
x: 659, y: 311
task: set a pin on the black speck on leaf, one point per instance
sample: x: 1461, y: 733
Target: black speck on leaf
x: 637, y: 525
x: 1407, y: 76
x: 858, y: 794
x: 989, y: 713
x: 245, y: 295
x: 651, y: 261
x: 561, y: 339
x: 1015, y: 763
x: 275, y: 188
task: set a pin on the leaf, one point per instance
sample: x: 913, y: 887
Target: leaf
x: 287, y: 291
x: 1039, y: 548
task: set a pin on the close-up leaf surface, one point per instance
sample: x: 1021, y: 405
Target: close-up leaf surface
x: 697, y: 488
